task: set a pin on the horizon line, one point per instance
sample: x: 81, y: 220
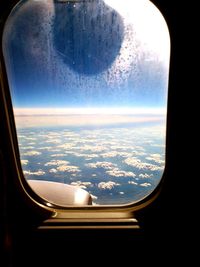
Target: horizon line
x: 89, y: 111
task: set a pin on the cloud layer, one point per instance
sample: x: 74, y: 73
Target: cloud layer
x: 115, y: 165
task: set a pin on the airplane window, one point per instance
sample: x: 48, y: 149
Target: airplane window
x: 88, y: 82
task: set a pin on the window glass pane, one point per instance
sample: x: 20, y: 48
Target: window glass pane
x: 88, y: 81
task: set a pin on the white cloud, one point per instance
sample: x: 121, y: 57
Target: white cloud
x: 81, y: 184
x: 58, y: 155
x: 119, y: 173
x: 145, y: 175
x: 139, y: 153
x: 156, y: 155
x: 27, y: 147
x: 93, y: 149
x: 31, y: 143
x: 158, y: 145
x: 113, y: 154
x: 53, y: 141
x: 145, y: 184
x: 107, y: 185
x: 87, y: 111
x: 32, y: 153
x: 137, y: 163
x: 66, y: 146
x: 91, y: 156
x: 49, y: 135
x: 74, y: 119
x: 110, y: 154
x: 132, y: 182
x: 37, y: 173
x: 105, y: 165
x: 45, y: 148
x: 62, y: 166
x: 52, y: 134
x: 56, y: 162
x: 55, y: 150
x: 66, y: 168
x: 21, y: 136
x: 30, y: 138
x: 24, y: 161
x: 88, y: 159
x: 70, y: 134
x: 156, y: 158
x: 53, y: 170
x: 119, y: 147
x: 84, y: 155
x: 74, y: 174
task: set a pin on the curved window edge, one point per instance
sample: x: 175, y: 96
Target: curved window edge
x: 104, y: 216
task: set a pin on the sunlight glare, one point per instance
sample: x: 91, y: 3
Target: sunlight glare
x: 149, y: 24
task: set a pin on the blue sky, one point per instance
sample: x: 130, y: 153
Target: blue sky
x: 59, y: 56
